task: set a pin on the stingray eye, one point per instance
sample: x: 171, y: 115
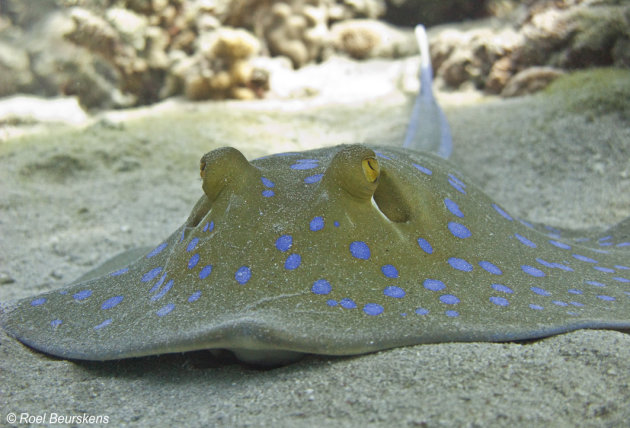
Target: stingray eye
x: 355, y: 170
x: 224, y: 167
x: 371, y: 169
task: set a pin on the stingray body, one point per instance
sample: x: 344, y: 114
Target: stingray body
x: 337, y: 251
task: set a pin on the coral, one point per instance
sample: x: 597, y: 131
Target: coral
x: 365, y: 38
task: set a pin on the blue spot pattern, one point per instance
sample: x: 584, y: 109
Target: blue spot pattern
x: 321, y: 286
x: 111, y: 302
x: 393, y: 291
x: 425, y: 245
x: 284, y: 243
x: 243, y: 274
x: 360, y: 250
x: 165, y: 310
x: 293, y: 261
x: 38, y: 302
x: 373, y: 309
x: 317, y: 224
x: 157, y: 250
x: 453, y: 208
x: 390, y: 271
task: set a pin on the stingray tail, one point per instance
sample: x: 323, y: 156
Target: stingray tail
x: 428, y: 129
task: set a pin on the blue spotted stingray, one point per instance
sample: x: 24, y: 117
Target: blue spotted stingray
x: 337, y: 251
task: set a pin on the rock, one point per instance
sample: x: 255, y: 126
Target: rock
x: 530, y: 80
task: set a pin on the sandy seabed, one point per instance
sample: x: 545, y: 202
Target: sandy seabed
x: 70, y: 198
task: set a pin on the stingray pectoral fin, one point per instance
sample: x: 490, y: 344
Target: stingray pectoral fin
x: 117, y: 262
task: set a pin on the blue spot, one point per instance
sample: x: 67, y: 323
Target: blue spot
x: 531, y: 270
x: 317, y: 224
x: 457, y: 181
x: 63, y: 292
x: 321, y: 286
x: 606, y: 298
x: 347, y: 303
x: 578, y: 304
x: 313, y: 178
x: 525, y: 223
x: 595, y: 283
x: 540, y: 291
x: 381, y: 155
x: 390, y: 271
x: 622, y: 267
x: 393, y: 291
x: 422, y: 311
x: 193, y: 261
x: 209, y: 227
x: 284, y: 242
x: 112, y: 302
x: 82, y: 295
x: 453, y: 208
x: 103, y: 324
x: 605, y: 238
x: 302, y: 164
x: 502, y: 212
x: 267, y: 182
x: 623, y: 244
x: 158, y: 284
x: 194, y: 297
x: 243, y: 274
x: 559, y: 303
x: 163, y: 291
x: 336, y: 223
x: 426, y: 247
x: 562, y: 267
x: 621, y: 279
x: 150, y: 275
x: 157, y: 250
x: 559, y: 244
x: 503, y: 288
x: 490, y: 268
x: 499, y: 301
x: 433, y: 284
x: 268, y: 193
x: 460, y: 264
x: 451, y: 313
x: 205, y: 271
x: 293, y: 261
x: 331, y: 302
x: 373, y: 309
x: 574, y: 291
x: 456, y: 185
x: 604, y: 269
x: 545, y: 262
x: 536, y: 307
x: 192, y: 244
x: 584, y: 258
x: 55, y: 323
x: 119, y: 272
x: 38, y: 302
x: 422, y: 169
x: 360, y: 250
x: 525, y: 241
x: 165, y: 310
x: 449, y: 299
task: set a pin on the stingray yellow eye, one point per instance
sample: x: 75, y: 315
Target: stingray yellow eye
x: 355, y: 170
x: 371, y: 169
